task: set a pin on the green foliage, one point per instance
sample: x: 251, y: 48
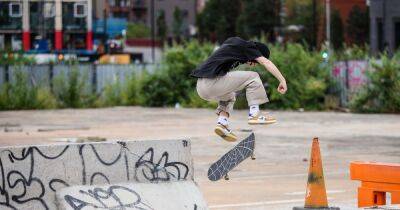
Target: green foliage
x: 137, y: 30
x: 258, y: 17
x: 358, y: 26
x: 112, y: 95
x: 121, y: 93
x: 301, y: 13
x: 217, y: 20
x: 306, y: 74
x: 382, y: 92
x: 177, y: 23
x: 71, y: 90
x: 337, y: 33
x: 162, y: 28
x: 195, y: 101
x: 354, y: 52
x: 171, y: 84
x: 15, y: 59
x: 20, y: 94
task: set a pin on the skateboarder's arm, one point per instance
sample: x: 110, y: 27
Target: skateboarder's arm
x: 269, y: 66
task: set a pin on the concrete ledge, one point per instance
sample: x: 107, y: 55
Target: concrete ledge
x: 31, y: 175
x: 146, y: 196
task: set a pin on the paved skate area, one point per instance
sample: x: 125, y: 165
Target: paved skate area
x: 275, y: 180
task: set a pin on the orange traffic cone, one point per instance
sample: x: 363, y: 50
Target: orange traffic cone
x: 316, y: 192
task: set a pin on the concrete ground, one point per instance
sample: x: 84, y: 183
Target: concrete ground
x: 275, y: 180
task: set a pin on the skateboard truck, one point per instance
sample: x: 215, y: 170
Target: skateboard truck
x: 226, y: 177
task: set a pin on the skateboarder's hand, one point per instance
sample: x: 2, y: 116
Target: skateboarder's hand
x: 282, y: 88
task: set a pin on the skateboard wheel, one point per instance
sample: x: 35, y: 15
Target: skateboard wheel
x: 226, y: 177
x: 253, y: 156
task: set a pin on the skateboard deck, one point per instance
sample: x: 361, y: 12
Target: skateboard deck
x: 231, y: 159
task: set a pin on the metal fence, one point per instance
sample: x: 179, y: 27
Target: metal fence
x: 97, y: 76
x: 349, y: 75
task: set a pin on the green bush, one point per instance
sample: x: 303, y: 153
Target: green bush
x: 382, y: 92
x: 137, y: 30
x: 171, y: 83
x: 72, y: 90
x: 121, y: 93
x: 20, y: 94
x: 306, y: 74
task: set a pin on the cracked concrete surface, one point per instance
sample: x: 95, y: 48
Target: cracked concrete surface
x: 276, y: 180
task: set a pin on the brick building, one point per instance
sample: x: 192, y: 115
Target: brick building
x: 343, y: 7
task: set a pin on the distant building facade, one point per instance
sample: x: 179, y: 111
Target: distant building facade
x: 139, y: 11
x: 343, y: 7
x: 50, y: 25
x: 384, y: 25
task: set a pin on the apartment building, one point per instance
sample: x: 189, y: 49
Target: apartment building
x: 46, y: 25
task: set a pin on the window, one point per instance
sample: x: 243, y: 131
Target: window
x: 80, y: 10
x: 380, y: 34
x: 397, y: 34
x: 49, y: 11
x: 15, y: 10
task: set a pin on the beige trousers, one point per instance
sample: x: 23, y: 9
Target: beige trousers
x: 223, y: 89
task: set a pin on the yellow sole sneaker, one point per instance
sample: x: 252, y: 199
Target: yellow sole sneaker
x: 223, y: 134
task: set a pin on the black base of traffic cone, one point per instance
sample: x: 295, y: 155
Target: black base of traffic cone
x: 326, y: 208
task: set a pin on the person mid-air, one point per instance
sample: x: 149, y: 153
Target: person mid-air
x: 217, y: 83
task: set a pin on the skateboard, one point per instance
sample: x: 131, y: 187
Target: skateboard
x: 231, y: 159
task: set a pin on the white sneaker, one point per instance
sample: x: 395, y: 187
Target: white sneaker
x: 261, y: 119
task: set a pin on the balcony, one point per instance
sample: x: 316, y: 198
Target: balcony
x: 6, y: 21
x: 139, y: 5
x: 41, y: 16
x: 70, y: 21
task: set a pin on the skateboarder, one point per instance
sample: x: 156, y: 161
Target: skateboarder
x: 217, y: 83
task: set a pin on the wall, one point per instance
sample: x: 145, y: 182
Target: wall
x: 31, y: 175
x: 97, y: 76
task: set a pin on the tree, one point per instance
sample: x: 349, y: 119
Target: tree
x: 306, y: 13
x: 162, y: 28
x: 177, y: 23
x: 218, y: 19
x: 258, y: 17
x: 337, y: 33
x: 358, y: 26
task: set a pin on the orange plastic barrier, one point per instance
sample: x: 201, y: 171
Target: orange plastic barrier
x: 377, y: 179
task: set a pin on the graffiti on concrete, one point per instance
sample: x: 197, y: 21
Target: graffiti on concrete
x: 30, y: 176
x: 161, y: 170
x: 107, y: 198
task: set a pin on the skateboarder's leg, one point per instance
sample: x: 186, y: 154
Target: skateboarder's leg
x: 206, y: 90
x: 234, y: 81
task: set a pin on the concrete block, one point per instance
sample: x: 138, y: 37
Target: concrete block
x: 146, y: 196
x: 31, y: 175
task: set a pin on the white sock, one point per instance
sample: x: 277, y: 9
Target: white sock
x: 254, y: 109
x: 223, y: 120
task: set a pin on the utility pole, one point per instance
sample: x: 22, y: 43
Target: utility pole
x: 152, y: 31
x: 105, y: 16
x: 314, y: 35
x: 328, y: 22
